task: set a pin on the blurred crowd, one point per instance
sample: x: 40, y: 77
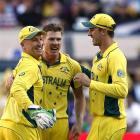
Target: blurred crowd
x: 133, y: 101
x: 4, y: 92
x: 68, y: 12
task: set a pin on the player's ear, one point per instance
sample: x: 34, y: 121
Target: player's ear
x: 103, y: 31
x: 22, y: 45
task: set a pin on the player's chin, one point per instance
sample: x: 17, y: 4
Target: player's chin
x: 54, y: 53
x: 95, y: 44
x: 39, y: 52
x: 38, y: 55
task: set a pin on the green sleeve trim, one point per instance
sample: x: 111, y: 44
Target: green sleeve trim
x: 26, y: 115
x: 30, y: 94
x: 86, y: 71
x: 111, y: 104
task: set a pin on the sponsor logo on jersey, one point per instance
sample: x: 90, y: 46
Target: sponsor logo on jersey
x: 120, y: 73
x: 22, y: 73
x: 99, y: 67
x: 54, y: 81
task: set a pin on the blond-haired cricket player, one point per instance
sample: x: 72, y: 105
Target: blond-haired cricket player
x: 58, y: 71
x: 23, y: 113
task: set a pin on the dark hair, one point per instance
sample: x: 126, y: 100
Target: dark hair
x: 111, y: 33
x: 53, y: 27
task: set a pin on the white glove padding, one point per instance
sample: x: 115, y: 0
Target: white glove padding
x: 43, y: 118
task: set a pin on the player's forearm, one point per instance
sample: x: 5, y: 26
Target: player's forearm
x: 117, y: 90
x: 79, y: 110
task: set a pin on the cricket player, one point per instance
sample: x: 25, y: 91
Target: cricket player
x: 58, y: 71
x: 108, y: 84
x: 23, y: 113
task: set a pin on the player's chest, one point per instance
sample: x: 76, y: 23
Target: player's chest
x: 59, y: 75
x: 99, y: 69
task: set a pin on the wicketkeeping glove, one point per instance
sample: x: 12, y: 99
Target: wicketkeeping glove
x: 43, y: 118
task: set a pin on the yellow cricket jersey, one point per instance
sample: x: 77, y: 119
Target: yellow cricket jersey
x: 57, y: 79
x: 27, y: 89
x: 109, y: 85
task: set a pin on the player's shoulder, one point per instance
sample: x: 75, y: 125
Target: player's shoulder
x: 27, y: 64
x: 117, y: 54
x: 71, y: 60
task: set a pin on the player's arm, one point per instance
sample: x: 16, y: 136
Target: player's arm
x: 79, y: 99
x: 83, y: 77
x: 10, y: 79
x: 79, y: 107
x: 117, y: 85
x: 79, y: 104
x: 23, y: 81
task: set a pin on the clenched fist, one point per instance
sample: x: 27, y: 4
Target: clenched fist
x: 82, y: 79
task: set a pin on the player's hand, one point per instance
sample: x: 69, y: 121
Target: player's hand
x: 9, y: 82
x: 82, y: 79
x: 43, y: 118
x: 76, y: 131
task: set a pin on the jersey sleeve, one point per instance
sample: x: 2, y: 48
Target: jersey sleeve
x: 23, y: 81
x: 117, y: 85
x: 76, y: 68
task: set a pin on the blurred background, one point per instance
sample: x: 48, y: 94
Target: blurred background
x: 15, y: 14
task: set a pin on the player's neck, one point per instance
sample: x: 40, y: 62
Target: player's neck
x: 51, y: 59
x: 105, y: 44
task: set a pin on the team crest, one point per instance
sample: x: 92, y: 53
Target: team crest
x: 64, y: 69
x: 32, y: 29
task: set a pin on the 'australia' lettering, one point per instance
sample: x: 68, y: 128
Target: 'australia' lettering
x: 54, y: 81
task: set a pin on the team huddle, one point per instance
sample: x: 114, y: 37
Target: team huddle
x: 36, y: 108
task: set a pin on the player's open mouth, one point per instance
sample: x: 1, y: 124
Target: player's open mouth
x: 54, y: 48
x: 39, y: 48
